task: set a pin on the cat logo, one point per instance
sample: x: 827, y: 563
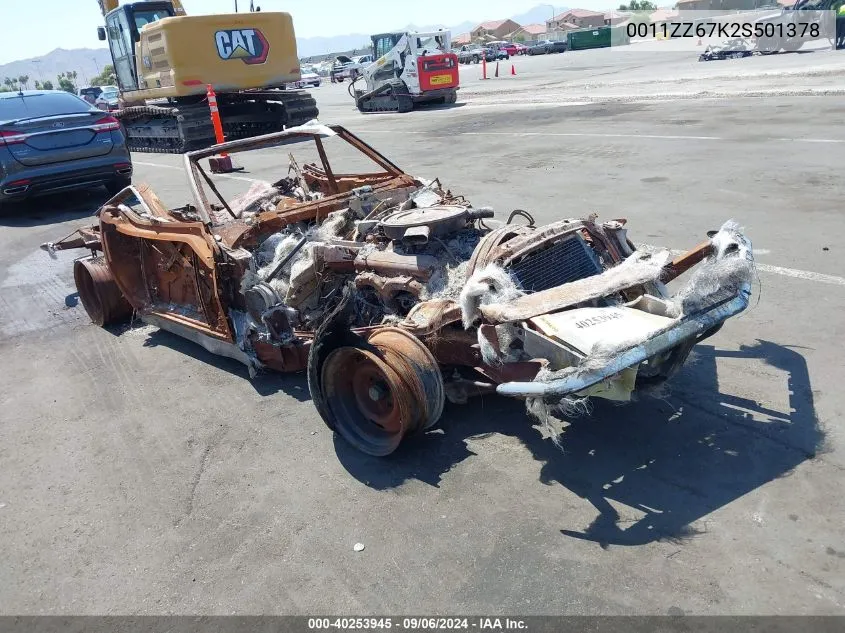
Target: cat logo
x: 249, y: 45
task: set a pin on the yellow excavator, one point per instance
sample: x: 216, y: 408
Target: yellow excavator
x: 164, y: 59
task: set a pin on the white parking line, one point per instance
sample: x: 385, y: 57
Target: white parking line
x: 795, y: 273
x: 599, y: 135
x: 671, y: 137
x: 766, y: 268
x: 812, y: 140
x: 802, y: 274
x: 138, y: 162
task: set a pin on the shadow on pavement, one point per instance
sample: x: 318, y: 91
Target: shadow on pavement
x: 52, y: 209
x: 422, y: 107
x: 651, y: 469
x: 669, y: 462
x: 265, y: 383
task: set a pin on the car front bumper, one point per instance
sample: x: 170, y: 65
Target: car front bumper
x: 690, y: 328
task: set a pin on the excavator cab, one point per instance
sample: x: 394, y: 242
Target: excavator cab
x: 123, y: 30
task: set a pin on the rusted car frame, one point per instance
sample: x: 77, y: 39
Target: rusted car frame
x: 396, y: 295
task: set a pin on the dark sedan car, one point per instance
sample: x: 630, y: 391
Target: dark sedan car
x: 51, y: 141
x: 557, y: 47
x: 544, y: 47
x: 538, y: 48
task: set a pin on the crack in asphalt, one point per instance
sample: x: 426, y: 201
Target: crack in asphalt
x: 195, y: 482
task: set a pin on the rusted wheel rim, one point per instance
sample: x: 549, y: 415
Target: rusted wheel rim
x: 377, y: 394
x: 99, y: 293
x: 416, y: 364
x: 366, y: 400
x: 374, y: 397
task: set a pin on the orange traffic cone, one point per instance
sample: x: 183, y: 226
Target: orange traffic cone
x: 497, y: 69
x: 221, y: 164
x: 513, y: 70
x: 484, y: 68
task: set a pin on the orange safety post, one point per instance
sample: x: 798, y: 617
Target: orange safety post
x: 484, y: 68
x: 215, y: 117
x: 513, y: 69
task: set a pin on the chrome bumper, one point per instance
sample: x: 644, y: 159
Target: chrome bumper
x: 691, y: 326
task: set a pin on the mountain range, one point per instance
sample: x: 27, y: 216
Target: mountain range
x: 314, y: 46
x: 88, y: 62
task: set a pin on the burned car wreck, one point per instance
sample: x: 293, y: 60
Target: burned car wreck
x: 395, y: 294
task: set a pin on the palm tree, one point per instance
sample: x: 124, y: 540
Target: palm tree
x: 24, y: 81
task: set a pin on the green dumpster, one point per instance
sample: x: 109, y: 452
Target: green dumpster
x: 599, y: 37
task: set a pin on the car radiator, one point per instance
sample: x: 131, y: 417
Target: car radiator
x: 564, y: 261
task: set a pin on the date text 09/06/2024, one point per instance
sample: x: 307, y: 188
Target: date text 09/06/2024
x: 735, y: 29
x: 417, y: 624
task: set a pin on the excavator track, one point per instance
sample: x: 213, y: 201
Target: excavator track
x: 186, y: 126
x: 392, y: 97
x: 167, y: 130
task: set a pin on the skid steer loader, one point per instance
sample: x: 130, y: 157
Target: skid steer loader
x: 409, y: 68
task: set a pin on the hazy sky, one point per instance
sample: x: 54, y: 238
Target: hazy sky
x: 29, y: 28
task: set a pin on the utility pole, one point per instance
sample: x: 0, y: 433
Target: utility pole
x: 553, y: 11
x: 37, y: 63
x: 97, y: 64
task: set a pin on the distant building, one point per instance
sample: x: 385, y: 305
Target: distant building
x: 495, y: 30
x: 722, y: 5
x: 528, y: 32
x: 463, y: 38
x: 579, y: 18
x: 612, y: 18
x: 694, y: 5
x: 662, y: 16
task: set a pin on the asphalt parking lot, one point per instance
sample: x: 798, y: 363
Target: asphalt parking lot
x: 142, y: 475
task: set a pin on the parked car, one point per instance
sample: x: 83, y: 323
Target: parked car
x: 349, y: 67
x: 508, y: 47
x: 308, y: 78
x: 90, y: 93
x: 539, y: 48
x: 311, y: 78
x: 521, y: 48
x: 557, y: 47
x: 51, y: 140
x: 344, y: 67
x: 544, y: 47
x: 470, y: 54
x: 491, y: 54
x: 109, y: 99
